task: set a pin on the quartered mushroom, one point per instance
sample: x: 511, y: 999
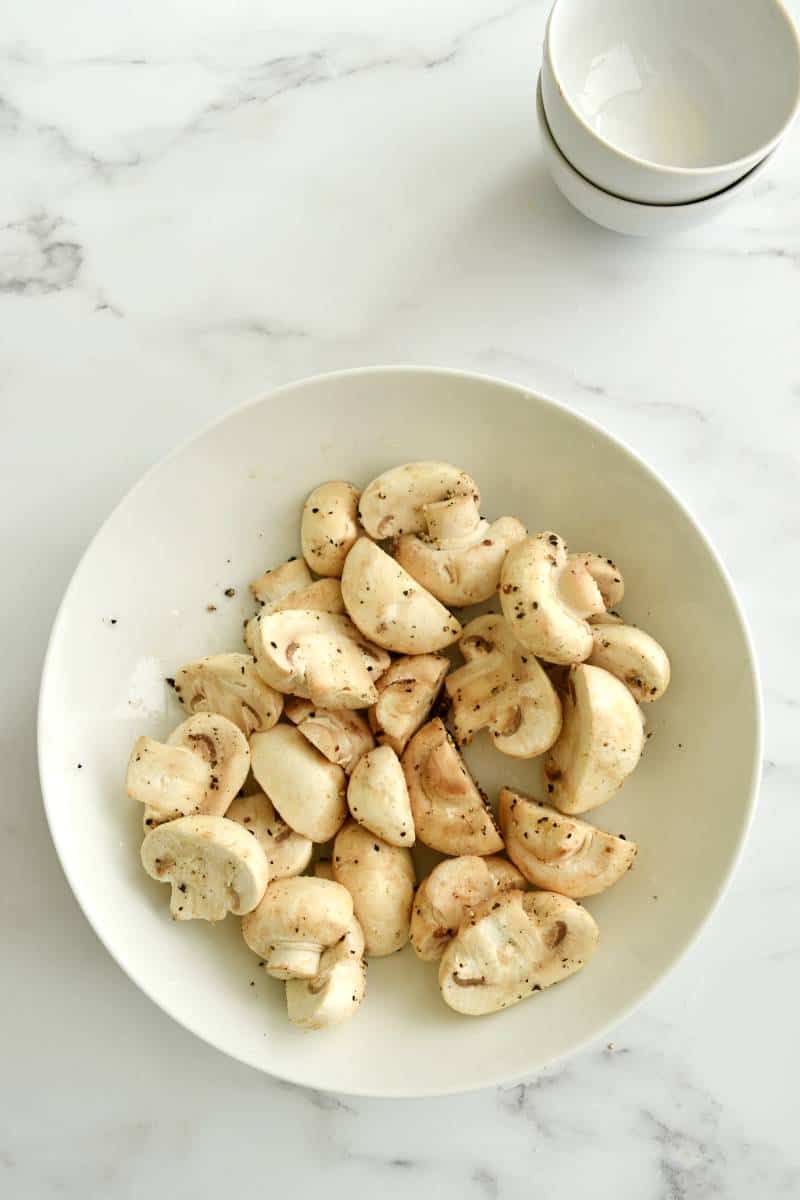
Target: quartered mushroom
x: 502, y: 688
x: 229, y: 684
x: 341, y: 734
x: 394, y: 503
x: 306, y: 789
x: 381, y: 879
x: 199, y: 769
x: 318, y: 656
x: 449, y: 896
x: 600, y: 744
x: 213, y: 865
x: 450, y: 813
x: 377, y: 797
x: 560, y: 853
x: 547, y: 596
x: 406, y: 694
x: 504, y: 874
x: 458, y: 558
x: 633, y: 656
x: 329, y: 526
x: 336, y: 991
x: 296, y: 920
x: 517, y: 943
x: 288, y: 853
x: 391, y: 608
x: 290, y: 586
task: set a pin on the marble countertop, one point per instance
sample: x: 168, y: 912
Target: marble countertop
x: 203, y: 201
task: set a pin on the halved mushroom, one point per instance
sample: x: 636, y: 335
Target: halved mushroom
x: 294, y: 922
x: 394, y: 503
x: 229, y: 684
x: 290, y: 586
x: 504, y: 874
x: 459, y: 558
x: 288, y: 853
x: 390, y: 607
x: 307, y: 790
x: 318, y: 656
x: 448, y: 898
x: 341, y: 734
x: 516, y: 944
x: 199, y: 769
x: 450, y: 812
x: 329, y: 526
x: 600, y: 744
x: 380, y: 878
x: 212, y: 864
x: 634, y: 657
x: 560, y: 853
x: 406, y: 694
x: 547, y: 596
x: 503, y: 688
x: 377, y: 797
x: 336, y: 991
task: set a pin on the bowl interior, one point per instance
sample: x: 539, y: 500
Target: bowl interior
x: 225, y: 507
x: 691, y: 83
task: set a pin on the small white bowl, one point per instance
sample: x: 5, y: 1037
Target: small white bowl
x: 666, y: 103
x: 626, y: 216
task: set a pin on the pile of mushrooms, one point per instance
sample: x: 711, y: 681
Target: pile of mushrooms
x: 307, y: 769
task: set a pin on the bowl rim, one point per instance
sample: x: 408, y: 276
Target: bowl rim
x: 664, y: 168
x: 501, y: 1079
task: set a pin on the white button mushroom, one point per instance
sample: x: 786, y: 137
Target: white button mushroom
x: 516, y: 944
x: 380, y: 878
x: 341, y: 734
x: 394, y: 503
x: 295, y: 921
x: 212, y: 864
x: 307, y: 790
x: 391, y: 608
x: 229, y: 684
x: 504, y: 874
x: 560, y: 853
x: 600, y: 744
x: 329, y: 526
x: 450, y: 813
x: 503, y: 688
x: 318, y: 656
x: 199, y: 769
x: 335, y: 993
x: 449, y: 896
x: 377, y: 797
x: 459, y: 558
x: 406, y: 694
x: 633, y: 656
x: 288, y: 853
x: 290, y: 586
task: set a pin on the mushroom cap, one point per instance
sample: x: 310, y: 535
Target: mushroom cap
x: 394, y: 503
x: 307, y: 790
x: 199, y: 769
x: 290, y: 586
x: 448, y: 898
x: 450, y: 813
x: 390, y: 607
x: 380, y: 878
x: 335, y: 993
x: 329, y: 526
x: 341, y: 734
x: 318, y: 656
x: 559, y: 853
x: 591, y: 584
x: 406, y: 694
x: 517, y: 943
x: 213, y: 865
x: 601, y: 741
x: 634, y: 657
x: 295, y: 921
x: 534, y: 604
x: 288, y: 853
x: 502, y: 687
x: 504, y: 874
x: 377, y: 797
x: 229, y: 684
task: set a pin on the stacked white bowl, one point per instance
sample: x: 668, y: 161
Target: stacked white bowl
x: 655, y: 114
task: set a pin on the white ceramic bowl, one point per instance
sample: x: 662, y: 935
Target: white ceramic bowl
x: 626, y: 216
x: 225, y: 506
x: 665, y: 103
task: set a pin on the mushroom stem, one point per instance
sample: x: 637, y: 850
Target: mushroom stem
x: 453, y: 520
x: 293, y: 960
